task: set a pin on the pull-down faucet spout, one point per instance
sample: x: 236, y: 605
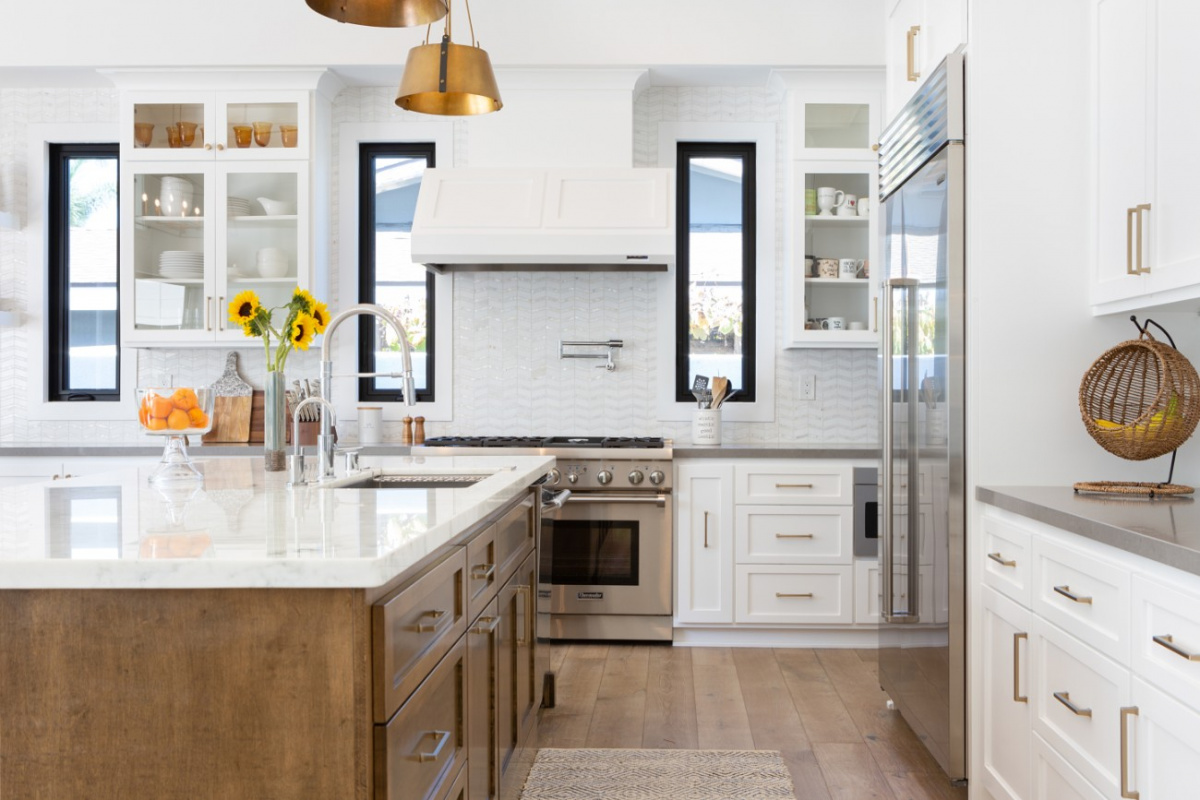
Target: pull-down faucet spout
x: 325, y: 439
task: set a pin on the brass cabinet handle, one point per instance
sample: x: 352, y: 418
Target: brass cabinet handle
x: 483, y: 572
x: 442, y: 737
x: 786, y: 594
x: 207, y: 309
x: 1066, y: 592
x: 486, y: 625
x: 437, y: 621
x: 706, y: 529
x: 999, y: 559
x: 1065, y: 699
x: 875, y: 314
x: 1017, y: 696
x: 793, y: 486
x: 1126, y: 713
x: 523, y: 639
x: 1129, y: 214
x: 793, y: 536
x: 1140, y: 208
x: 912, y: 35
x: 1168, y: 641
x: 217, y: 314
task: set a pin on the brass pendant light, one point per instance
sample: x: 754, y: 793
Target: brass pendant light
x: 382, y: 13
x: 449, y: 79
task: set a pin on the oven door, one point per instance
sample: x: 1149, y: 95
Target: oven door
x: 608, y: 554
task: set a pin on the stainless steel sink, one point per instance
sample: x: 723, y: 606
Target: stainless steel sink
x: 393, y: 481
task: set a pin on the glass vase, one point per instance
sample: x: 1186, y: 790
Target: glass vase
x: 275, y: 423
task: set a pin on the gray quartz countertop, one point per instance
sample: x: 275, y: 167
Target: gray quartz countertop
x: 118, y: 449
x: 774, y: 450
x: 1163, y: 529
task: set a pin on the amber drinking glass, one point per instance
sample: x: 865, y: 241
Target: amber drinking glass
x: 173, y: 136
x: 187, y: 133
x: 262, y: 133
x: 143, y: 132
x: 241, y: 135
x: 288, y: 134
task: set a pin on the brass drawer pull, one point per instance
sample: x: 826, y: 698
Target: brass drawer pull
x: 1066, y: 592
x: 1129, y: 214
x: 486, y: 625
x: 785, y: 594
x: 1017, y: 696
x: 706, y: 529
x: 1126, y: 792
x: 1065, y: 699
x: 793, y: 536
x: 483, y: 572
x: 1168, y: 641
x: 793, y: 486
x: 999, y: 559
x: 912, y: 35
x: 443, y: 737
x: 523, y: 639
x: 437, y: 617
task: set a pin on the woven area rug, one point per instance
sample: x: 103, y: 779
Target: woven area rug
x: 658, y: 775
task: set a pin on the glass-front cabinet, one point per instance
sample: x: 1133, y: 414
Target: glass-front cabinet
x: 201, y: 126
x: 833, y: 235
x: 200, y: 234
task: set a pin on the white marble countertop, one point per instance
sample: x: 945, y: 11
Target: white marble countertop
x: 242, y: 527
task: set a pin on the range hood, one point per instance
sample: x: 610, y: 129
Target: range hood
x: 545, y: 219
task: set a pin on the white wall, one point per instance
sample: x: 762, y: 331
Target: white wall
x: 514, y: 32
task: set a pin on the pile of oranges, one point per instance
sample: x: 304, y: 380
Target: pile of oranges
x: 178, y: 411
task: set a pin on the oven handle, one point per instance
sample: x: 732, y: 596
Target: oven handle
x: 604, y: 497
x: 552, y: 501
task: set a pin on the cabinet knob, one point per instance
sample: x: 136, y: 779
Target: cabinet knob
x: 220, y: 146
x: 207, y: 146
x: 875, y: 147
x: 636, y: 477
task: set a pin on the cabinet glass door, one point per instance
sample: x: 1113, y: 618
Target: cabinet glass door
x: 171, y: 127
x: 170, y: 252
x: 257, y: 126
x: 837, y: 125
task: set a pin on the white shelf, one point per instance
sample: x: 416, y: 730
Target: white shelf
x: 264, y: 219
x: 179, y: 226
x: 848, y: 283
x: 240, y: 279
x: 818, y: 220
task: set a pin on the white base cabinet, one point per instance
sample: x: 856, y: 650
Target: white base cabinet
x: 1089, y: 689
x: 704, y: 542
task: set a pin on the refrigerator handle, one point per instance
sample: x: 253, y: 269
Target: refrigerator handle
x: 887, y: 607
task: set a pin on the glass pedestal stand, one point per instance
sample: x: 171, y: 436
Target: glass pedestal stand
x: 175, y: 466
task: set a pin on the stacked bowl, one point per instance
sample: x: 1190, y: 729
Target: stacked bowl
x: 175, y: 196
x: 272, y: 262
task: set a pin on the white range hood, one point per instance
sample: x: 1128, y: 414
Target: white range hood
x: 545, y: 219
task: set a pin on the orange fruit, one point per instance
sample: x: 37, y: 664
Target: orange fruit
x: 197, y: 417
x: 178, y: 420
x: 143, y: 413
x: 156, y: 423
x: 184, y: 398
x: 160, y: 406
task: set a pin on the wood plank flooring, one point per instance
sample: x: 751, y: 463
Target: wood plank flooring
x: 822, y: 709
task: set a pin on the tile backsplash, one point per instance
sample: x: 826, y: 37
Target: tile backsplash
x: 508, y: 377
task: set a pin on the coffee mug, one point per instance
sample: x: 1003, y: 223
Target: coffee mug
x: 828, y: 199
x: 864, y: 206
x: 827, y: 267
x: 833, y: 324
x: 849, y: 208
x: 858, y: 326
x: 848, y: 267
x: 809, y: 263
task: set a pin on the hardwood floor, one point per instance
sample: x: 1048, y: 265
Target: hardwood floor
x: 822, y: 709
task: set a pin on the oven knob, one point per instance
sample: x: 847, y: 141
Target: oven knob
x: 555, y: 477
x: 636, y: 477
x: 573, y: 477
x: 604, y: 477
x: 657, y: 477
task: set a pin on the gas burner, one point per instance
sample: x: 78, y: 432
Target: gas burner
x: 574, y: 441
x: 513, y: 441
x: 633, y: 441
x: 454, y: 441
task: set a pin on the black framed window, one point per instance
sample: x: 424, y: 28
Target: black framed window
x: 389, y: 179
x: 715, y: 266
x: 83, y: 287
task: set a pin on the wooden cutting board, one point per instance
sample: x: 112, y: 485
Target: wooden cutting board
x: 257, y: 416
x: 231, y: 406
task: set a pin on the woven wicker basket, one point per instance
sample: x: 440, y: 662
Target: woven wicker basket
x: 1141, y: 399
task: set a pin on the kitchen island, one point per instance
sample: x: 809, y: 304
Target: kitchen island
x: 223, y: 640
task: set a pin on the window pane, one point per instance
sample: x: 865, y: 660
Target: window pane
x: 715, y: 269
x: 396, y: 283
x: 85, y: 289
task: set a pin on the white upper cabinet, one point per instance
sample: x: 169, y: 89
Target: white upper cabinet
x: 1146, y: 250
x: 920, y: 33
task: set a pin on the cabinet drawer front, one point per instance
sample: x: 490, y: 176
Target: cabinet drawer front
x: 414, y: 628
x: 515, y: 533
x: 421, y: 749
x: 483, y: 664
x: 1084, y: 596
x: 1055, y: 778
x: 1166, y: 638
x: 1006, y: 558
x: 774, y: 535
x: 924, y: 484
x: 781, y: 484
x: 482, y: 567
x: 817, y: 595
x: 1066, y: 671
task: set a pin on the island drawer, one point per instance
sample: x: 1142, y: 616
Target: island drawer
x: 414, y: 627
x: 514, y: 533
x: 482, y: 564
x: 421, y: 750
x: 788, y: 484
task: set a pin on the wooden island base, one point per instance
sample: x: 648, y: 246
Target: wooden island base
x: 221, y: 693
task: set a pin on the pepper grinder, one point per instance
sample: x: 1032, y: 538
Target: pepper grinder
x: 419, y: 433
x: 406, y: 435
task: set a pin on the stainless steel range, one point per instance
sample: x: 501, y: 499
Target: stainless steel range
x: 607, y: 548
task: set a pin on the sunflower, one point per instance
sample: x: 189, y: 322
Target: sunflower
x: 302, y: 331
x: 302, y: 300
x: 244, y: 308
x: 320, y: 315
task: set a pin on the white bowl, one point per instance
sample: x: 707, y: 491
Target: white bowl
x: 277, y: 207
x: 272, y: 268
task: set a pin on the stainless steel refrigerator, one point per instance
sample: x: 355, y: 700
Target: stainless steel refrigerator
x: 922, y: 656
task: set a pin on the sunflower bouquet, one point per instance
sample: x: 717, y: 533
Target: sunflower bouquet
x: 306, y: 317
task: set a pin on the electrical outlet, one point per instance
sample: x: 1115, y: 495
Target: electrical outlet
x: 808, y: 386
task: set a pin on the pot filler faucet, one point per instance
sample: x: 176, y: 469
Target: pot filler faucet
x: 325, y: 439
